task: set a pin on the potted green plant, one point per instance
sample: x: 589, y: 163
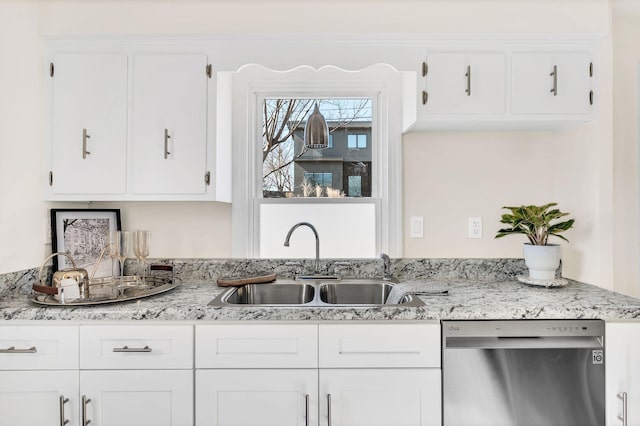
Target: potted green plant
x: 535, y: 222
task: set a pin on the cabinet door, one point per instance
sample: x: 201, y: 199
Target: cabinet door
x: 89, y: 123
x: 38, y: 398
x: 460, y: 83
x: 376, y: 397
x: 622, y: 359
x: 537, y: 88
x: 257, y: 397
x: 138, y: 398
x: 169, y: 124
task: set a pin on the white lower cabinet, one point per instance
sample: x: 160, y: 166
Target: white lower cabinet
x: 114, y: 375
x: 137, y: 398
x: 623, y: 373
x: 38, y: 375
x: 276, y: 397
x: 366, y: 374
x: 39, y: 398
x: 377, y: 397
x: 136, y: 375
x: 308, y: 397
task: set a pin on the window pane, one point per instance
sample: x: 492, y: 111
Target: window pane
x: 355, y: 186
x: 333, y: 222
x: 352, y: 141
x: 291, y: 170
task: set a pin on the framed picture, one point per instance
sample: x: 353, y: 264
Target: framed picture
x: 83, y: 234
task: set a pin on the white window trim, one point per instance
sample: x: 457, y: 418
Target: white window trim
x: 253, y: 83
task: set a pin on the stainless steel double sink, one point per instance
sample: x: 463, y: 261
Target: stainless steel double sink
x: 369, y: 292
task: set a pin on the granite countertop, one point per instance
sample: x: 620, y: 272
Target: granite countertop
x: 466, y: 299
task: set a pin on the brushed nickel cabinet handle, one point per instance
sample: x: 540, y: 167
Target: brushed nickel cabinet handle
x: 425, y: 69
x: 84, y: 419
x: 554, y: 74
x: 328, y: 409
x: 85, y: 136
x: 623, y: 417
x: 128, y: 349
x: 425, y: 97
x: 468, y: 75
x: 306, y: 410
x: 166, y: 143
x: 13, y: 350
x: 63, y: 401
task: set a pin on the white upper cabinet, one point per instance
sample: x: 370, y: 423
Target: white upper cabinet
x: 503, y: 85
x: 127, y: 123
x: 463, y: 83
x: 551, y: 83
x: 89, y: 123
x: 169, y: 120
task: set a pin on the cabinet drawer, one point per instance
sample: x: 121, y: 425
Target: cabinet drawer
x: 136, y: 347
x: 257, y: 346
x: 379, y: 345
x: 38, y: 348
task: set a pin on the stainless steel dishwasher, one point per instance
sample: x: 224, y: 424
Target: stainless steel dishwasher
x: 523, y: 373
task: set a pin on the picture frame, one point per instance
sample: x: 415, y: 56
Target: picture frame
x: 83, y: 233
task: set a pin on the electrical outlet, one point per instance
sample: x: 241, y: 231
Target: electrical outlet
x: 475, y: 227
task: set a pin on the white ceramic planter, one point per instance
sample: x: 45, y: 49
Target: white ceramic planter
x: 542, y: 261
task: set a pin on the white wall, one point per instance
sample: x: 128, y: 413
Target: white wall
x: 626, y: 118
x: 581, y: 180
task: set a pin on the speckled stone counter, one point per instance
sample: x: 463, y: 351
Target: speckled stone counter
x: 477, y: 289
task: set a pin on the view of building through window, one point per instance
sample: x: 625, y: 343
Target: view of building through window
x: 344, y: 169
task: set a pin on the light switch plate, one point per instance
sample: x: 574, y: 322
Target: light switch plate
x: 416, y: 227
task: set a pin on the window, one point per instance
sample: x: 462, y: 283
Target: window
x: 322, y: 179
x: 289, y: 169
x: 361, y: 216
x: 357, y: 141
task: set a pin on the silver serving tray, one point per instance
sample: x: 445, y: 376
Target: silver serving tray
x: 107, y: 290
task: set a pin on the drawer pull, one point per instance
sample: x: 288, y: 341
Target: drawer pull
x: 373, y: 352
x: 13, y: 350
x: 128, y: 349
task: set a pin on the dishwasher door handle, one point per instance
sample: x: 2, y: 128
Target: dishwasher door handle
x: 519, y: 342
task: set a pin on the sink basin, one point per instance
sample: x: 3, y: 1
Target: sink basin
x: 270, y: 294
x: 330, y: 293
x: 366, y: 293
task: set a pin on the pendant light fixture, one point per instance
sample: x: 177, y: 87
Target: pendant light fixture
x: 316, y: 131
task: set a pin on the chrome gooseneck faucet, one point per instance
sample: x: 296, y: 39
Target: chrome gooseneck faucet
x: 315, y: 232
